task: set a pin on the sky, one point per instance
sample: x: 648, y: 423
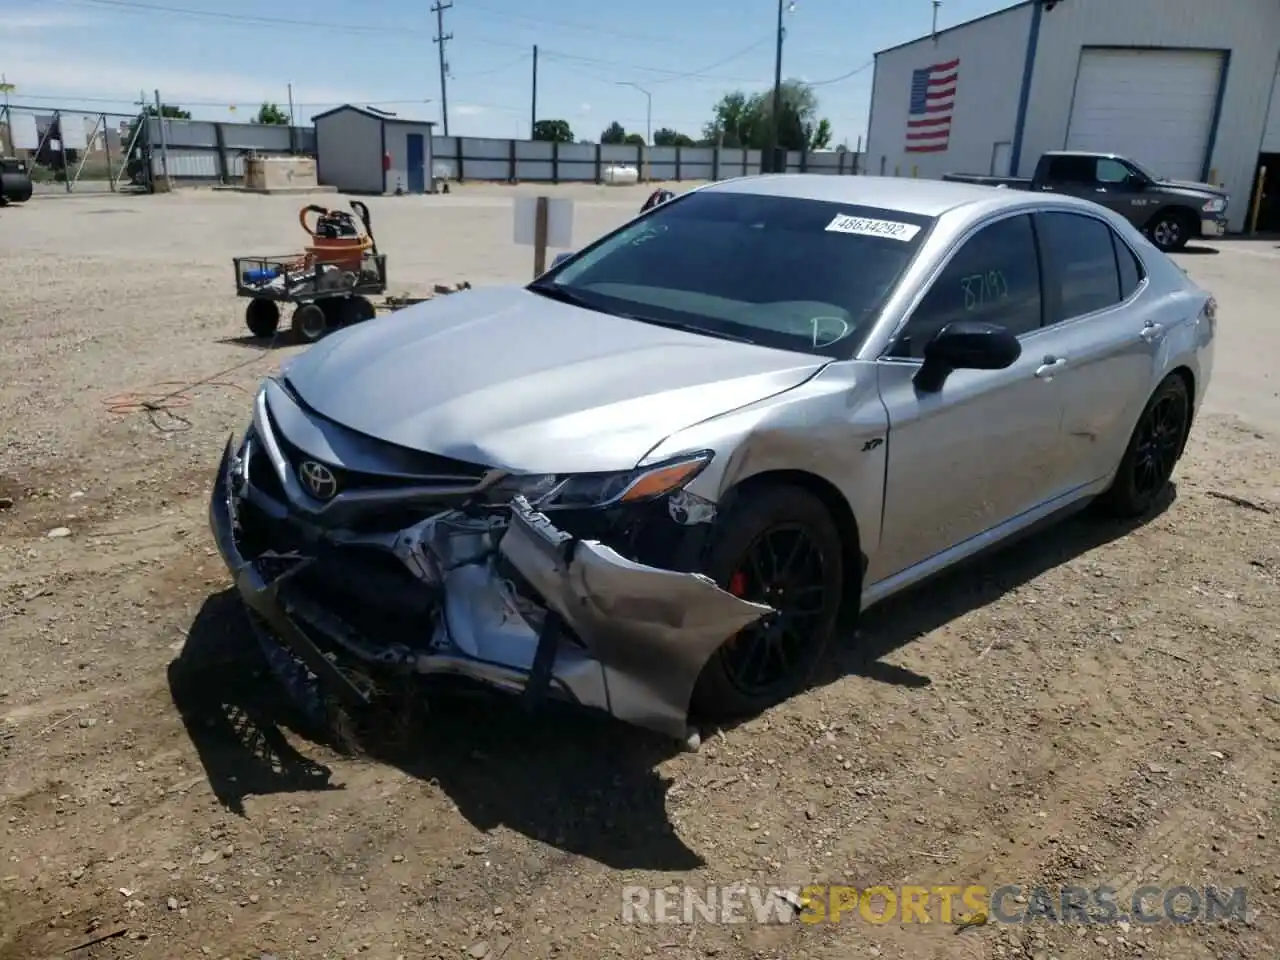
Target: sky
x: 597, y: 62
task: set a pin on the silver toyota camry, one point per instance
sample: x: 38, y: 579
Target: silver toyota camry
x: 649, y: 481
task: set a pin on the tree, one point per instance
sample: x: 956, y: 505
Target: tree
x: 666, y: 137
x: 740, y: 120
x: 613, y: 133
x: 553, y: 131
x: 271, y: 113
x: 169, y: 111
x: 634, y: 139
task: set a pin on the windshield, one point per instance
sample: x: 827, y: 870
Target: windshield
x: 804, y: 275
x: 1145, y: 171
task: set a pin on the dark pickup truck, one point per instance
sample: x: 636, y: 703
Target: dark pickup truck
x: 1170, y: 212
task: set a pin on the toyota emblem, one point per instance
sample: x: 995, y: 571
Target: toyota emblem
x: 318, y: 480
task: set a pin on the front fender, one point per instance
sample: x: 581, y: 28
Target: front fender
x: 833, y: 427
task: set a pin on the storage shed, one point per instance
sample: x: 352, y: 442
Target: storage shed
x: 1187, y: 90
x: 363, y: 151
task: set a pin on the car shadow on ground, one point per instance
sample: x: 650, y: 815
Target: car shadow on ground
x: 584, y: 784
x: 898, y: 621
x: 1196, y: 250
x: 581, y: 783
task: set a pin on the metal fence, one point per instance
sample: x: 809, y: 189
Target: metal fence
x: 201, y: 151
x: 479, y: 158
x: 72, y: 150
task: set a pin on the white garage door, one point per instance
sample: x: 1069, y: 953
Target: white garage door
x: 1271, y: 139
x: 1155, y: 106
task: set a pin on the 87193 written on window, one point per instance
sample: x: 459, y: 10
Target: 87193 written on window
x: 994, y: 278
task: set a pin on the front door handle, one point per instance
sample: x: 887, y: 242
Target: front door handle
x: 1050, y: 367
x: 1151, y: 332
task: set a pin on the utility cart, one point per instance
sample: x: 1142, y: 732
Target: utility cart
x: 329, y: 284
x: 325, y: 295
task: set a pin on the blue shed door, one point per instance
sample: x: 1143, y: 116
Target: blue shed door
x: 417, y: 163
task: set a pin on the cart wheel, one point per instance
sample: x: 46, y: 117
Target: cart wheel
x: 309, y: 323
x: 359, y: 309
x: 262, y: 317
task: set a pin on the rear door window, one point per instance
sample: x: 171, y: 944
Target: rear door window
x: 1132, y: 273
x: 1080, y: 253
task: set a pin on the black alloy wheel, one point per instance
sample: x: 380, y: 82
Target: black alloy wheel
x: 776, y: 546
x: 1153, y: 451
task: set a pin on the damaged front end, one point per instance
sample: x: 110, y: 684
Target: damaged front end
x: 464, y: 575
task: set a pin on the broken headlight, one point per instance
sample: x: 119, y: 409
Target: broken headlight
x: 588, y: 490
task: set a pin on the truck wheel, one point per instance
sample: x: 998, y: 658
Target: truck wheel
x: 1170, y: 230
x: 262, y: 317
x: 309, y: 323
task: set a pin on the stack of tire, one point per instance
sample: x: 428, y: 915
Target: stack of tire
x: 15, y: 181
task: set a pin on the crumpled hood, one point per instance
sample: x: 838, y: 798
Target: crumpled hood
x: 506, y: 378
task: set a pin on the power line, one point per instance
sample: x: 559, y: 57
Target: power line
x: 569, y: 25
x: 440, y: 39
x: 844, y: 76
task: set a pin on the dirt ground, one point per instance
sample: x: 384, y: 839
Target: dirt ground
x: 1097, y: 705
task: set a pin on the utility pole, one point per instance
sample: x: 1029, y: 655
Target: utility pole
x: 164, y: 143
x: 533, y: 107
x: 441, y: 39
x: 777, y: 95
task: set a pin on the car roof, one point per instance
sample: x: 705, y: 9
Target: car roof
x: 926, y: 198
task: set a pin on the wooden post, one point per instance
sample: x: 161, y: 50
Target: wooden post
x: 599, y: 171
x: 1257, y: 200
x: 540, y: 239
x: 511, y: 161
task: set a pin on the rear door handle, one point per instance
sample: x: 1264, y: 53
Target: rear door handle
x: 1151, y: 332
x: 1051, y: 366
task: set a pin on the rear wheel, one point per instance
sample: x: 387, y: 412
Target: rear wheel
x: 262, y: 317
x: 1154, y: 449
x: 776, y: 545
x: 309, y: 322
x: 1171, y: 230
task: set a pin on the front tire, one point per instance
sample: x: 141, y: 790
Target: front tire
x: 776, y: 545
x: 1154, y: 449
x: 262, y: 317
x: 309, y: 322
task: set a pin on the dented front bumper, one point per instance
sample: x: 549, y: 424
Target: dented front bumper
x: 585, y: 625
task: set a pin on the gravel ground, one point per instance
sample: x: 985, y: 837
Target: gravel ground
x: 1097, y: 705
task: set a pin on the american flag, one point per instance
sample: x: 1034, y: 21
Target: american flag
x: 933, y: 94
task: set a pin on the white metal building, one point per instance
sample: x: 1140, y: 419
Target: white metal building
x: 361, y: 151
x: 1190, y: 90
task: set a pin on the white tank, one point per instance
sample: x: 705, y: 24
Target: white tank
x: 620, y: 175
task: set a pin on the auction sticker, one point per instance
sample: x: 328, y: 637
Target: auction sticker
x: 866, y: 227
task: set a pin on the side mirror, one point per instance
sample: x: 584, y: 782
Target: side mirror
x: 560, y: 258
x: 965, y: 345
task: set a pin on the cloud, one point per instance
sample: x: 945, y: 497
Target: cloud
x: 469, y: 110
x: 37, y: 68
x: 42, y: 20
x: 584, y: 108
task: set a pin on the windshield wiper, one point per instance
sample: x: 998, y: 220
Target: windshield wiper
x: 693, y: 328
x: 563, y: 294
